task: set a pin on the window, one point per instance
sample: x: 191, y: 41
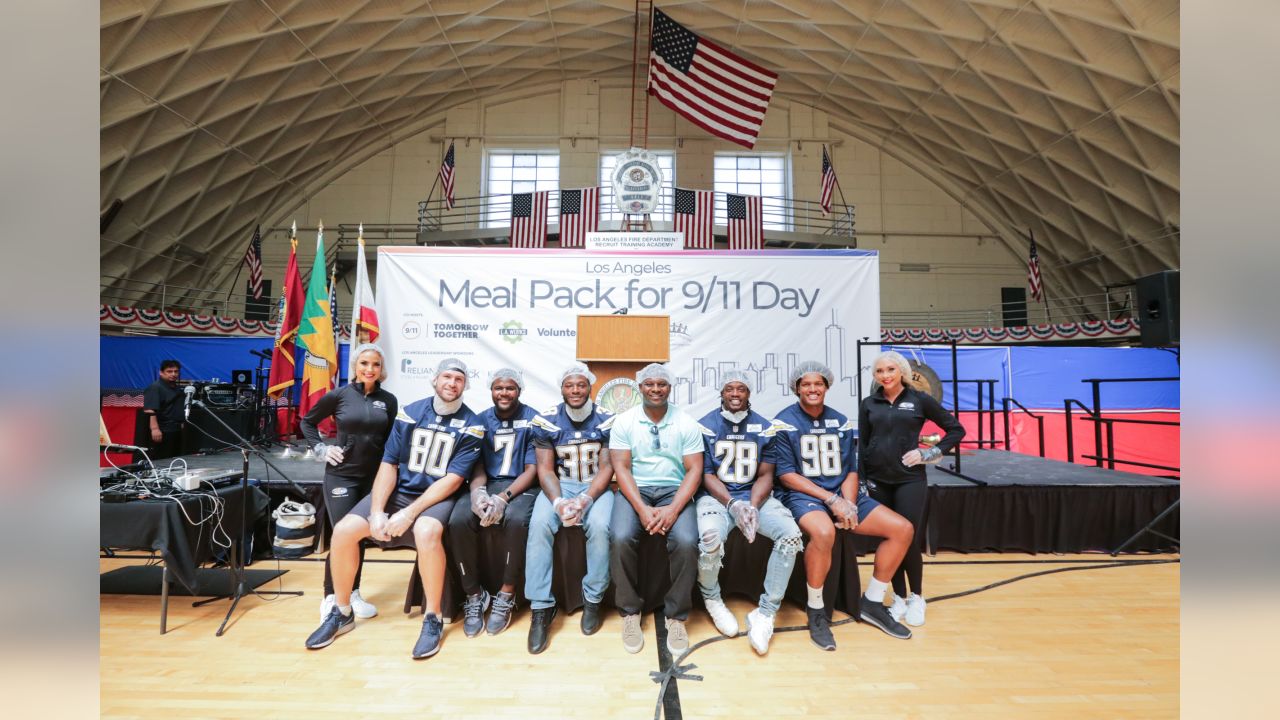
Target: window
x: 609, y: 209
x: 518, y: 172
x: 763, y: 175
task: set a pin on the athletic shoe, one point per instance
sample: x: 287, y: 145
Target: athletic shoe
x: 473, y: 613
x: 759, y: 630
x: 334, y: 625
x: 876, y: 614
x: 504, y: 606
x: 327, y: 605
x: 915, y: 610
x: 898, y: 609
x: 820, y: 628
x: 540, y: 629
x: 632, y: 634
x: 362, y: 608
x: 677, y: 637
x: 429, y: 639
x: 590, y: 617
x: 722, y: 616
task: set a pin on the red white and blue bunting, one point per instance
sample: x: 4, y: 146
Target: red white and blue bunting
x: 212, y: 324
x: 1088, y: 330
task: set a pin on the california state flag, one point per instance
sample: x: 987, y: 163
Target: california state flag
x: 364, y: 312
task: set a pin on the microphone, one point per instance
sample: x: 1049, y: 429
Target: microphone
x: 124, y: 447
x: 190, y: 390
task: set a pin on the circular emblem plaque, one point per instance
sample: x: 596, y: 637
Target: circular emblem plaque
x: 619, y: 395
x: 637, y: 182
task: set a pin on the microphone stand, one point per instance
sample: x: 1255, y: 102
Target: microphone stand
x: 236, y: 563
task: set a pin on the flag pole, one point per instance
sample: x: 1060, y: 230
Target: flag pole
x: 1044, y: 283
x: 234, y: 280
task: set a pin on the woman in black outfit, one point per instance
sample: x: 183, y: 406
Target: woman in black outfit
x: 364, y: 413
x: 891, y: 462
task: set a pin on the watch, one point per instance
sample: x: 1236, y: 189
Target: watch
x: 506, y: 494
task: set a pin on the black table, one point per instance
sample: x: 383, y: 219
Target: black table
x: 161, y: 525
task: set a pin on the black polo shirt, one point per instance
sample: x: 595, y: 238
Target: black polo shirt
x: 889, y: 430
x: 166, y: 401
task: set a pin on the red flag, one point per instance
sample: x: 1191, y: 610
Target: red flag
x: 711, y: 87
x: 529, y: 219
x: 282, y: 355
x: 694, y: 214
x: 746, y: 222
x: 828, y: 181
x: 579, y: 215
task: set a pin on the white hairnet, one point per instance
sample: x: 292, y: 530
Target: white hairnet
x: 578, y: 369
x: 370, y: 347
x: 507, y: 374
x: 455, y: 365
x: 811, y: 366
x: 736, y: 376
x: 655, y: 371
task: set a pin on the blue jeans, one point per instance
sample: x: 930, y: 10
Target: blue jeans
x: 776, y: 523
x: 542, y: 537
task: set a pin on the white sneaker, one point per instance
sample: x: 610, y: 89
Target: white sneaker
x: 722, y: 616
x: 915, y: 610
x: 759, y: 630
x: 363, y: 608
x: 898, y: 609
x: 327, y: 605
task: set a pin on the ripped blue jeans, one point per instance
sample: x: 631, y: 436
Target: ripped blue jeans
x: 776, y: 523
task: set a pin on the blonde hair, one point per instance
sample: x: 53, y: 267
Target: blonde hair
x: 371, y: 347
x: 901, y: 362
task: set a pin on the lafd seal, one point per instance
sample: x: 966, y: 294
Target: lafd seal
x: 637, y: 182
x: 619, y: 395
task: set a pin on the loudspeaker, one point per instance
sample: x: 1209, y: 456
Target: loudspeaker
x: 241, y: 377
x: 205, y: 433
x: 1013, y: 306
x: 1158, y: 308
x: 259, y: 309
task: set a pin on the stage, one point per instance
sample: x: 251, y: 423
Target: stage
x: 1029, y: 504
x: 1033, y: 504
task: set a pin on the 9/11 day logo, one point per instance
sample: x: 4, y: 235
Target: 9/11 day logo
x: 411, y: 330
x: 512, y: 331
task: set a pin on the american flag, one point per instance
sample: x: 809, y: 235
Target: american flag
x: 333, y: 306
x: 446, y: 177
x: 579, y: 215
x: 746, y: 222
x: 828, y: 181
x: 1033, y: 271
x: 529, y: 220
x: 711, y: 87
x: 253, y: 258
x: 694, y: 214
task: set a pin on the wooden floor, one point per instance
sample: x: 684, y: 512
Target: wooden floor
x: 1098, y: 643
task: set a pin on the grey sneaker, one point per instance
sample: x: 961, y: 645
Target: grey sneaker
x: 504, y: 606
x: 334, y: 625
x: 473, y: 613
x: 677, y: 637
x: 632, y: 634
x: 875, y: 614
x: 429, y: 639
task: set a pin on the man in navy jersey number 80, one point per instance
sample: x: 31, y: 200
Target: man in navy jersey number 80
x: 433, y: 445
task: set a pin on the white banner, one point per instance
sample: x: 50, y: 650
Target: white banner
x: 763, y: 312
x: 635, y: 241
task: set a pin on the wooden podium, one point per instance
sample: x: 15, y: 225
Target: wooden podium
x: 617, y: 346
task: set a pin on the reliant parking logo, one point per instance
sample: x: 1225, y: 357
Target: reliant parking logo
x: 512, y: 331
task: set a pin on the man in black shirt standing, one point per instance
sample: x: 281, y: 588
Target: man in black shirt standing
x: 162, y: 403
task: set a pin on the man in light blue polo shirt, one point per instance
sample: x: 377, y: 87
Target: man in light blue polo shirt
x: 656, y: 453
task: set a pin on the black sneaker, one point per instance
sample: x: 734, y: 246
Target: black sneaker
x: 429, y: 639
x: 473, y: 613
x: 540, y: 629
x: 335, y: 624
x: 590, y: 617
x: 820, y: 629
x: 504, y: 606
x: 878, y: 615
